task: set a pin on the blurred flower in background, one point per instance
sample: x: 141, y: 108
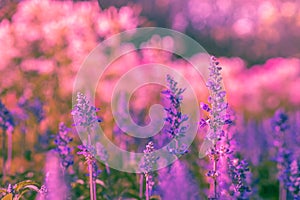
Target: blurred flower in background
x: 254, y: 30
x: 44, y: 43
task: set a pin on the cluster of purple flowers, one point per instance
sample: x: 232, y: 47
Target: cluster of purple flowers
x: 287, y: 162
x: 217, y: 109
x: 84, y: 114
x: 216, y: 121
x: 175, y: 118
x: 6, y: 118
x: 149, y: 158
x: 85, y: 118
x: 54, y: 181
x: 280, y: 122
x: 237, y: 170
x: 176, y: 182
x: 34, y: 106
x: 88, y: 152
x: 62, y: 141
x: 219, y: 118
x: 294, y: 186
x: 147, y: 165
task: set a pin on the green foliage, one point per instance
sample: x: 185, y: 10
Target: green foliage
x: 19, y: 190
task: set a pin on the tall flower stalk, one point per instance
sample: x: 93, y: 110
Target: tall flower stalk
x: 177, y: 182
x: 54, y: 185
x: 147, y: 165
x: 85, y: 115
x: 29, y: 108
x: 234, y: 171
x: 7, y: 125
x: 175, y: 119
x: 237, y: 170
x: 284, y: 157
x: 63, y: 148
x: 217, y: 119
x: 88, y: 152
x: 86, y: 118
x: 294, y: 179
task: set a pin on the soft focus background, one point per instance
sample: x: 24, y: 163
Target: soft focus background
x: 43, y: 43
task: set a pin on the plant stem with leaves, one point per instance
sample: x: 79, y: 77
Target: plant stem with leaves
x: 175, y: 119
x: 7, y: 125
x: 85, y: 117
x: 217, y: 119
x: 147, y: 165
x: 284, y: 156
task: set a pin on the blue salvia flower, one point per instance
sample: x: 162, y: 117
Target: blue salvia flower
x: 279, y: 121
x: 96, y: 170
x: 285, y: 163
x: 175, y: 118
x: 237, y: 170
x: 102, y: 155
x: 55, y: 186
x: 34, y: 106
x: 7, y: 125
x: 147, y: 165
x: 218, y: 117
x: 6, y: 118
x: 294, y: 179
x: 233, y: 182
x: 218, y: 105
x: 177, y: 183
x: 149, y: 159
x: 42, y: 192
x: 280, y: 125
x: 88, y: 152
x: 85, y: 114
x: 62, y: 141
x: 284, y: 159
x: 85, y: 118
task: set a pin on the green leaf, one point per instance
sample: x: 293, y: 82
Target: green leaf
x: 8, y: 197
x: 129, y: 194
x: 28, y: 184
x: 155, y: 197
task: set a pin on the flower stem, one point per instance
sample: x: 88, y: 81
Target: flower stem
x: 215, y: 178
x: 9, y: 150
x: 3, y: 157
x: 107, y: 168
x: 92, y: 182
x: 282, y: 192
x: 141, y: 185
x: 215, y: 181
x: 93, y: 195
x: 147, y: 188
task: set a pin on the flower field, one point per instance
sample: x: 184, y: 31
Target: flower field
x: 113, y: 100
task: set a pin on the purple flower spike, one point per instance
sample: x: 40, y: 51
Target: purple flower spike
x: 6, y: 119
x: 84, y: 113
x: 147, y: 165
x: 34, y: 106
x: 279, y: 121
x: 175, y: 118
x: 218, y: 105
x: 88, y: 152
x: 62, y: 141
